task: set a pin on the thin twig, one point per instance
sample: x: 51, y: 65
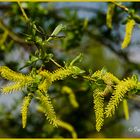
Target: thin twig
x: 121, y: 6
x: 23, y: 12
x: 55, y: 63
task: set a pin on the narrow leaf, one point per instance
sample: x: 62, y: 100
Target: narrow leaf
x: 56, y: 31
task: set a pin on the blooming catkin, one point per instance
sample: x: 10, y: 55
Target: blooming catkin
x: 11, y: 75
x: 120, y: 90
x: 99, y: 108
x: 48, y: 108
x: 128, y: 32
x: 107, y: 77
x: 12, y: 87
x: 72, y: 98
x: 62, y: 73
x: 19, y: 80
x: 44, y: 85
x: 24, y: 110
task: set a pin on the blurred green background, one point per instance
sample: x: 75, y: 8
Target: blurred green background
x: 86, y: 32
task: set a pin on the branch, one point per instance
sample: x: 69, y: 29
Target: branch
x: 121, y: 6
x: 11, y: 34
x: 14, y: 36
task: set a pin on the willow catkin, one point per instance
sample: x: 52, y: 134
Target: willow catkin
x: 117, y: 96
x: 13, y: 87
x: 128, y: 32
x: 69, y: 127
x: 24, y: 110
x: 48, y: 108
x: 62, y: 73
x: 99, y: 108
x: 125, y: 108
x: 11, y: 75
x: 72, y: 98
x: 110, y: 13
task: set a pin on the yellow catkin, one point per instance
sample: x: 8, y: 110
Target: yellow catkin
x: 68, y: 127
x: 109, y: 15
x: 11, y: 75
x: 46, y: 81
x: 62, y: 73
x: 125, y: 108
x: 99, y: 108
x: 110, y: 79
x: 120, y: 90
x: 24, y: 110
x: 45, y: 73
x: 107, y: 77
x: 44, y: 85
x: 12, y: 87
x: 128, y: 32
x: 72, y: 98
x: 48, y: 108
x: 61, y: 123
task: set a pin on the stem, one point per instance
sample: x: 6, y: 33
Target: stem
x: 23, y: 12
x: 55, y: 63
x: 121, y: 6
x: 88, y: 78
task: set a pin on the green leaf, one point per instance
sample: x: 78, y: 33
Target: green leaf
x: 135, y: 77
x: 133, y: 91
x: 34, y: 58
x: 79, y: 57
x: 56, y: 31
x: 103, y: 71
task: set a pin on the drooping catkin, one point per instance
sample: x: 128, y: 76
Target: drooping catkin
x: 128, y: 32
x: 48, y: 108
x: 109, y: 15
x: 99, y: 108
x: 72, y: 98
x: 125, y: 108
x: 68, y: 127
x: 120, y: 90
x: 24, y: 109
